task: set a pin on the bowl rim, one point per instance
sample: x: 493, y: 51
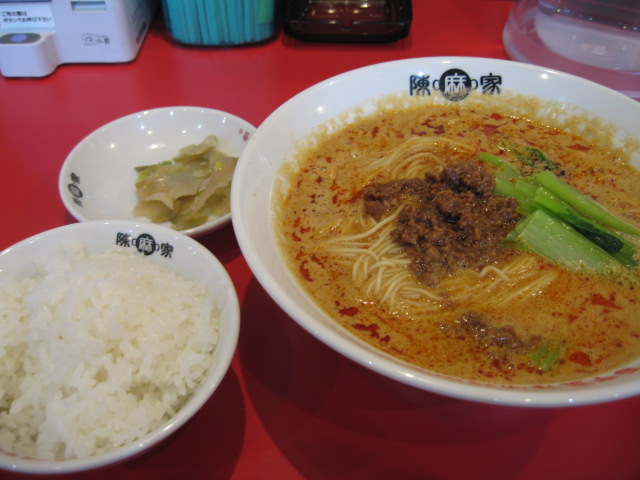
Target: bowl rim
x: 518, y: 396
x: 223, y: 356
x: 208, y: 227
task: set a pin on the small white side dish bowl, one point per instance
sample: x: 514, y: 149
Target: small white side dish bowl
x: 97, y: 179
x: 153, y: 243
x: 332, y: 103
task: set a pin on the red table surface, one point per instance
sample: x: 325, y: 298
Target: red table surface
x: 289, y: 406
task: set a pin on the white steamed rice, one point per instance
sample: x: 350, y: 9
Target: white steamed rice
x: 97, y: 350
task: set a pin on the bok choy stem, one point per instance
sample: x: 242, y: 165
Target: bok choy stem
x: 553, y: 239
x: 560, y: 223
x: 581, y: 202
x: 617, y: 246
x: 505, y: 169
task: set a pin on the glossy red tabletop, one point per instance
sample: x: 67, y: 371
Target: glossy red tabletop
x: 289, y: 407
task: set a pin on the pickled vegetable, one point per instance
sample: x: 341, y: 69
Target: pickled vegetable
x: 188, y: 189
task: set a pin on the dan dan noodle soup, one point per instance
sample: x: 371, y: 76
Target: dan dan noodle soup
x: 391, y: 224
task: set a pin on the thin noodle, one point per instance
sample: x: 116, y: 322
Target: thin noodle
x: 493, y: 269
x: 530, y: 288
x: 380, y: 264
x: 413, y: 159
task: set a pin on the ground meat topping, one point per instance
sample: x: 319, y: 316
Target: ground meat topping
x: 449, y: 221
x: 480, y: 329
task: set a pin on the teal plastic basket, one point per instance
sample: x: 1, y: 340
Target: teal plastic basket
x: 220, y: 22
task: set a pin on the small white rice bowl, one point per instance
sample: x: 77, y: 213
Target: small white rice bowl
x: 113, y: 334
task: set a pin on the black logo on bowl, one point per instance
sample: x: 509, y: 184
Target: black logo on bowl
x: 74, y: 188
x: 454, y: 84
x: 144, y: 243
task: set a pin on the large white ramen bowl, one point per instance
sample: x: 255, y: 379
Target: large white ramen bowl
x: 160, y: 245
x: 97, y: 179
x: 275, y: 140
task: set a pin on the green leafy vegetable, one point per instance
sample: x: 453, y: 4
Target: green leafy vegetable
x: 553, y: 239
x: 530, y: 156
x: 544, y: 357
x: 616, y: 245
x: 581, y: 202
x: 560, y: 223
x: 505, y: 169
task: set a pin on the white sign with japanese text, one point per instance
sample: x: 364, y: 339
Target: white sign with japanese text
x: 25, y: 17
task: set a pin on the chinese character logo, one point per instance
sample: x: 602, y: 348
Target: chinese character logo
x: 244, y: 134
x: 455, y: 84
x: 74, y: 188
x: 166, y: 250
x: 146, y: 244
x: 123, y: 240
x: 419, y: 85
x: 491, y: 84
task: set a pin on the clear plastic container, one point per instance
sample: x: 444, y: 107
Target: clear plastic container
x: 220, y: 22
x: 347, y: 20
x: 594, y: 39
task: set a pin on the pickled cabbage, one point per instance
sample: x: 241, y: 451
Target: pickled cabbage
x: 188, y: 189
